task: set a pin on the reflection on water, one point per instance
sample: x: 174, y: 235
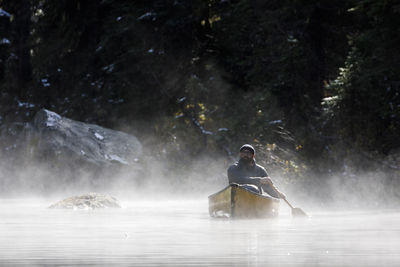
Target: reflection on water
x: 180, y: 233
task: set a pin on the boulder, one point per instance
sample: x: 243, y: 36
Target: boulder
x: 59, y: 137
x: 53, y: 153
x: 87, y: 202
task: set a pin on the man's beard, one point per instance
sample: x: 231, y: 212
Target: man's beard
x: 245, y: 160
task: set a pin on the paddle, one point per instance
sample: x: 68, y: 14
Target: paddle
x: 296, y: 212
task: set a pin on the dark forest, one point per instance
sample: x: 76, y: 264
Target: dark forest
x: 313, y: 85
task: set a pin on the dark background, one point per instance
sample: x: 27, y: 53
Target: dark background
x: 313, y: 85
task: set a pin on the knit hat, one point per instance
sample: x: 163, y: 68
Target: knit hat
x: 248, y: 147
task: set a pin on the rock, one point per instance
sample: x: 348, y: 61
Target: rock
x: 53, y: 153
x: 57, y: 136
x: 87, y: 202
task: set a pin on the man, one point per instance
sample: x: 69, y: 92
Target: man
x: 247, y: 171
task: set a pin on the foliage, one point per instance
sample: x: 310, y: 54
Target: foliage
x: 368, y: 104
x: 204, y: 76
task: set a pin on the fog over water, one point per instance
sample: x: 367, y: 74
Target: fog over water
x: 168, y: 232
x: 165, y: 222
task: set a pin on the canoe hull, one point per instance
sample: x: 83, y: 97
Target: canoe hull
x: 238, y: 202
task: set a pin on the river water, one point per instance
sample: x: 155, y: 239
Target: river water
x: 181, y: 233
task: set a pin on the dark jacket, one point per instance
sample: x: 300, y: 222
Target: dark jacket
x: 249, y: 174
x: 244, y: 174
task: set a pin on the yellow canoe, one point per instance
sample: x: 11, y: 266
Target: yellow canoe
x: 239, y: 202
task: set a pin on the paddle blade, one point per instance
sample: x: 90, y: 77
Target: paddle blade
x: 297, y: 212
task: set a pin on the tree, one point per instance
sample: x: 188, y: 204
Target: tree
x: 368, y: 86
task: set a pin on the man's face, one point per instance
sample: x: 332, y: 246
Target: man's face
x: 246, y: 155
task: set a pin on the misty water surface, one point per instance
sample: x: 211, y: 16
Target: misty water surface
x: 181, y: 233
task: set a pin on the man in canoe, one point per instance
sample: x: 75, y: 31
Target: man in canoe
x: 247, y: 171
